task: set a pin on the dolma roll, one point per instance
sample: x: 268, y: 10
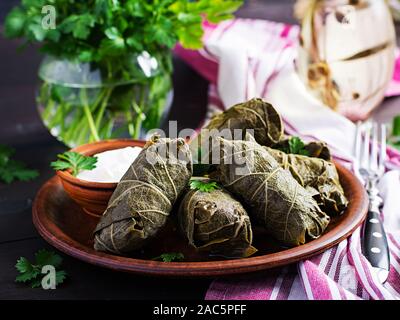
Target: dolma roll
x: 216, y: 223
x: 143, y: 199
x: 256, y: 115
x: 273, y: 197
x: 317, y: 174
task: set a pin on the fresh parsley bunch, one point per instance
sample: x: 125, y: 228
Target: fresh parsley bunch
x: 105, y: 30
x: 113, y: 36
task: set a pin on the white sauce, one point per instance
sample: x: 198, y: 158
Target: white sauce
x: 111, y: 165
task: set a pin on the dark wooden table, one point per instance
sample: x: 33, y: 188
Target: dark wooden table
x: 20, y: 127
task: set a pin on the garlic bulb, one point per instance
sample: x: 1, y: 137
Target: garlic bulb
x: 347, y: 53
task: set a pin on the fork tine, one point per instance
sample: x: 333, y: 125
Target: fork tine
x: 365, y: 149
x: 373, y: 160
x: 382, y: 156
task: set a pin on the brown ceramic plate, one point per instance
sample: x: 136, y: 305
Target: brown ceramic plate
x: 64, y: 225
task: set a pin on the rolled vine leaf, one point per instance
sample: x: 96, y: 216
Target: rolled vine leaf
x: 273, y: 197
x: 318, y: 176
x: 216, y: 223
x: 255, y: 116
x: 143, y: 199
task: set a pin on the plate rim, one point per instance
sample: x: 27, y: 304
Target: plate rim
x: 84, y: 253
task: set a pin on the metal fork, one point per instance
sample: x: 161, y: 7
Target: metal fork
x: 369, y: 166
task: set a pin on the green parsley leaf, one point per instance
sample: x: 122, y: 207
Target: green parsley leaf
x: 396, y: 126
x: 112, y: 33
x: 295, y: 146
x: 5, y: 154
x: 60, y: 276
x: 188, y: 18
x: 74, y: 161
x: 112, y: 48
x: 171, y: 256
x: 394, y: 138
x: 36, y: 283
x: 27, y: 276
x: 190, y: 37
x: 162, y: 32
x: 78, y: 25
x: 395, y: 145
x: 14, y: 23
x: 222, y: 10
x: 23, y: 265
x: 11, y: 170
x: 135, y: 43
x: 204, y: 186
x: 31, y: 273
x: 44, y: 257
x: 38, y: 32
x: 20, y: 172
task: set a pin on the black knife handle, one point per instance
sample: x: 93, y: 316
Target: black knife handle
x: 374, y: 245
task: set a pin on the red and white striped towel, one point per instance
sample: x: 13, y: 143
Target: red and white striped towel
x: 246, y: 58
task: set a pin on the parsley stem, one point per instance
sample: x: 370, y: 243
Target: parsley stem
x: 104, y: 103
x: 138, y: 121
x: 131, y: 126
x: 63, y: 107
x: 88, y: 115
x: 140, y: 116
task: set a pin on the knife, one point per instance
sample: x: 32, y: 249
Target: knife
x: 374, y: 242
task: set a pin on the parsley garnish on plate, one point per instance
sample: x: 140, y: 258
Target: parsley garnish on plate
x: 11, y: 170
x: 74, y: 161
x: 31, y: 273
x: 205, y: 186
x: 295, y: 146
x: 170, y: 256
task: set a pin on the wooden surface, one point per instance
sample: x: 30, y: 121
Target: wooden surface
x: 64, y: 225
x: 21, y: 128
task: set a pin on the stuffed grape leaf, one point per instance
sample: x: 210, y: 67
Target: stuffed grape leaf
x: 256, y: 115
x: 273, y: 197
x: 318, y: 176
x: 217, y: 223
x: 143, y: 199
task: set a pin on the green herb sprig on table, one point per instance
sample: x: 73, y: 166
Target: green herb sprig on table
x: 11, y: 170
x: 170, y: 256
x: 394, y: 139
x: 204, y: 186
x: 74, y: 161
x: 295, y: 146
x: 31, y: 273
